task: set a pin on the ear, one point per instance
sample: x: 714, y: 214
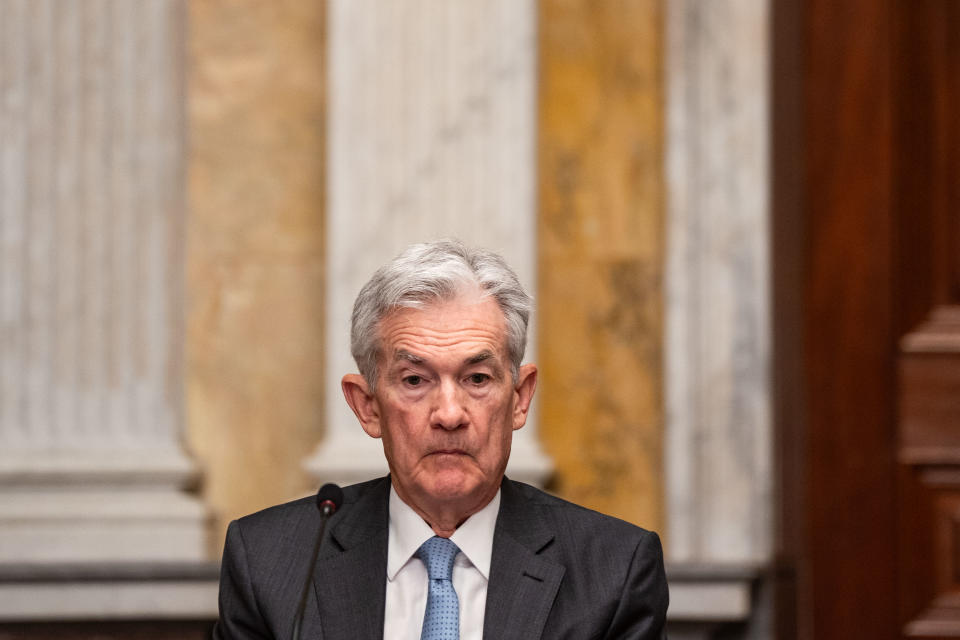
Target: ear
x: 523, y: 390
x: 364, y: 404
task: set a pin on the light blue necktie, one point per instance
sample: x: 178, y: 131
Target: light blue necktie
x: 441, y: 621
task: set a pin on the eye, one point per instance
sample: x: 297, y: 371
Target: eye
x: 412, y: 381
x: 478, y: 378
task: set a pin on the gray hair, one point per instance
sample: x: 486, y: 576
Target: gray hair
x: 434, y: 272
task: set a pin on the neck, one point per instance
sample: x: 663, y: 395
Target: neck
x: 444, y: 517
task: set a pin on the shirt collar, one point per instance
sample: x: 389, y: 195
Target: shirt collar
x: 408, y: 531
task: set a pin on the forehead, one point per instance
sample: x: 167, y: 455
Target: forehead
x: 468, y: 322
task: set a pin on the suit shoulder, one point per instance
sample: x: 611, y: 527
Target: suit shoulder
x: 296, y: 510
x: 579, y: 519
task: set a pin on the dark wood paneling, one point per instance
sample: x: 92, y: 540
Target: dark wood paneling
x: 791, y: 592
x: 927, y: 211
x: 951, y: 89
x: 870, y: 454
x: 926, y: 76
x: 840, y: 492
x: 930, y: 579
x: 929, y: 366
x: 916, y: 576
x: 848, y: 324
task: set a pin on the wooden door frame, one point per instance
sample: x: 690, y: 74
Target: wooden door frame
x: 834, y: 384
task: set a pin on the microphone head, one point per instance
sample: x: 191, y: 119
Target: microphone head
x: 329, y: 498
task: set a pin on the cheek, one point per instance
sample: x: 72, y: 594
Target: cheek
x: 501, y: 414
x: 400, y: 433
x: 499, y: 419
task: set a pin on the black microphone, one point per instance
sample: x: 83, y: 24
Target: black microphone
x: 329, y: 499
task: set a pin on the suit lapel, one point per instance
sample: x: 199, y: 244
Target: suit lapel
x: 350, y: 577
x: 350, y: 580
x: 523, y: 583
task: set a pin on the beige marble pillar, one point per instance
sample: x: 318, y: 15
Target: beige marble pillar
x: 431, y: 127
x: 255, y: 259
x: 92, y: 467
x: 600, y: 253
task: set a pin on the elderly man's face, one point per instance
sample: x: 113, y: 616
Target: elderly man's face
x: 446, y: 404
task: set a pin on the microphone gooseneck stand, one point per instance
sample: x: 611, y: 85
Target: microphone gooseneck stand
x: 329, y: 499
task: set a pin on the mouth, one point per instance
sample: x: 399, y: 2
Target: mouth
x: 448, y: 452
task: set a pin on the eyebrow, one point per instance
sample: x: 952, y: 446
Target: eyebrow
x: 480, y: 357
x: 403, y: 354
x: 485, y: 356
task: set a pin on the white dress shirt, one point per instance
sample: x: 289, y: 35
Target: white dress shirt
x: 407, y: 575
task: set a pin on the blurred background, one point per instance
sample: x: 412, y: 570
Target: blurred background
x: 740, y: 220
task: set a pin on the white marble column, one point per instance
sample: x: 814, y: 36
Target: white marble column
x: 718, y: 454
x: 431, y: 126
x: 92, y: 467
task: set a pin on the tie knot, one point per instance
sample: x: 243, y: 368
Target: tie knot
x: 438, y: 554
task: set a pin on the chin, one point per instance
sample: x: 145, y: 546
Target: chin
x: 453, y: 485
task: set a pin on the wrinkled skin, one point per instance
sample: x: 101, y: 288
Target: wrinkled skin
x: 445, y: 406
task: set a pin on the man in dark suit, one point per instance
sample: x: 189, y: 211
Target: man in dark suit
x: 445, y: 546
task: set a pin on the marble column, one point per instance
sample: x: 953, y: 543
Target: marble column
x: 717, y: 372
x: 431, y: 125
x: 718, y: 444
x: 91, y: 241
x: 254, y: 259
x: 601, y: 253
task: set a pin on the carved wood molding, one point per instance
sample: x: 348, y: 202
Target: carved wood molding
x: 940, y: 333
x: 929, y: 390
x: 929, y: 452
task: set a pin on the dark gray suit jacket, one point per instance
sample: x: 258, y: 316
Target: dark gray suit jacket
x: 558, y: 571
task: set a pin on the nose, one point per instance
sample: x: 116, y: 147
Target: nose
x: 448, y: 409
